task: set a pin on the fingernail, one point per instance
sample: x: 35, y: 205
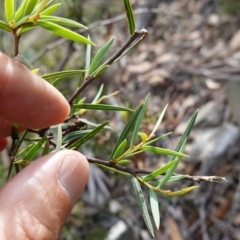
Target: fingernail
x: 70, y: 177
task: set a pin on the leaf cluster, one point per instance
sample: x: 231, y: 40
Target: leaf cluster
x: 77, y: 130
x: 33, y: 13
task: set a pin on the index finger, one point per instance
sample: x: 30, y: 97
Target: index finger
x: 27, y: 99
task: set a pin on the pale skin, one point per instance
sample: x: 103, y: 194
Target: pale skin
x: 36, y: 202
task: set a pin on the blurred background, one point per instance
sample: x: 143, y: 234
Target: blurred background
x: 189, y: 60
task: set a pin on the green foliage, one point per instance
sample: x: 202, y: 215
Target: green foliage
x: 32, y: 13
x: 4, y: 26
x: 9, y: 9
x: 173, y: 168
x: 138, y: 121
x: 51, y: 9
x: 130, y: 16
x: 159, y: 171
x: 62, y: 74
x: 98, y: 57
x: 76, y: 144
x: 77, y: 130
x: 101, y: 107
x: 120, y: 149
x: 127, y: 129
x: 61, y: 31
x: 154, y: 207
x: 142, y: 204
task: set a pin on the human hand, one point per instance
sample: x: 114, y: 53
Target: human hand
x: 36, y: 202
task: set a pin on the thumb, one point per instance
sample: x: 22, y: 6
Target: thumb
x: 37, y: 201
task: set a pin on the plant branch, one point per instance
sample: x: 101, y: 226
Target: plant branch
x: 16, y: 42
x: 138, y: 33
x: 135, y: 171
x: 80, y: 89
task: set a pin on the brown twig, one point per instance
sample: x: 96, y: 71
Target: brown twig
x: 138, y: 33
x: 15, y: 42
x: 80, y: 89
x: 134, y: 171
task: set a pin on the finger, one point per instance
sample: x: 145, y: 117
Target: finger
x: 3, y: 143
x: 39, y: 199
x: 6, y: 128
x: 28, y: 100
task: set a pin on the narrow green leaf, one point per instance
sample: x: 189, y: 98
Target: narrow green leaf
x: 101, y: 107
x: 99, y: 56
x: 36, y: 9
x: 187, y: 131
x: 159, y: 120
x: 130, y: 16
x: 19, y: 143
x: 127, y: 129
x: 100, y: 70
x: 22, y: 162
x: 159, y: 171
x: 46, y: 148
x: 163, y: 151
x: 4, y: 26
x: 172, y: 179
x: 35, y: 70
x: 154, y: 207
x: 75, y: 135
x: 20, y: 12
x: 98, y: 93
x: 91, y: 123
x: 51, y: 9
x: 180, y: 192
x: 180, y: 147
x: 25, y: 28
x: 61, y: 74
x: 133, y: 153
x: 41, y: 6
x: 139, y: 121
x: 30, y: 6
x: 15, y: 152
x: 176, y: 178
x: 143, y: 136
x: 114, y: 170
x: 87, y: 137
x: 142, y: 204
x: 157, y: 139
x: 22, y: 21
x: 59, y: 137
x: 10, y: 170
x: 120, y: 149
x: 88, y: 56
x: 76, y: 111
x: 170, y: 172
x: 49, y: 2
x: 124, y: 162
x: 63, y: 32
x: 62, y: 21
x: 9, y: 9
x: 24, y: 149
x: 34, y: 150
x: 57, y: 81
